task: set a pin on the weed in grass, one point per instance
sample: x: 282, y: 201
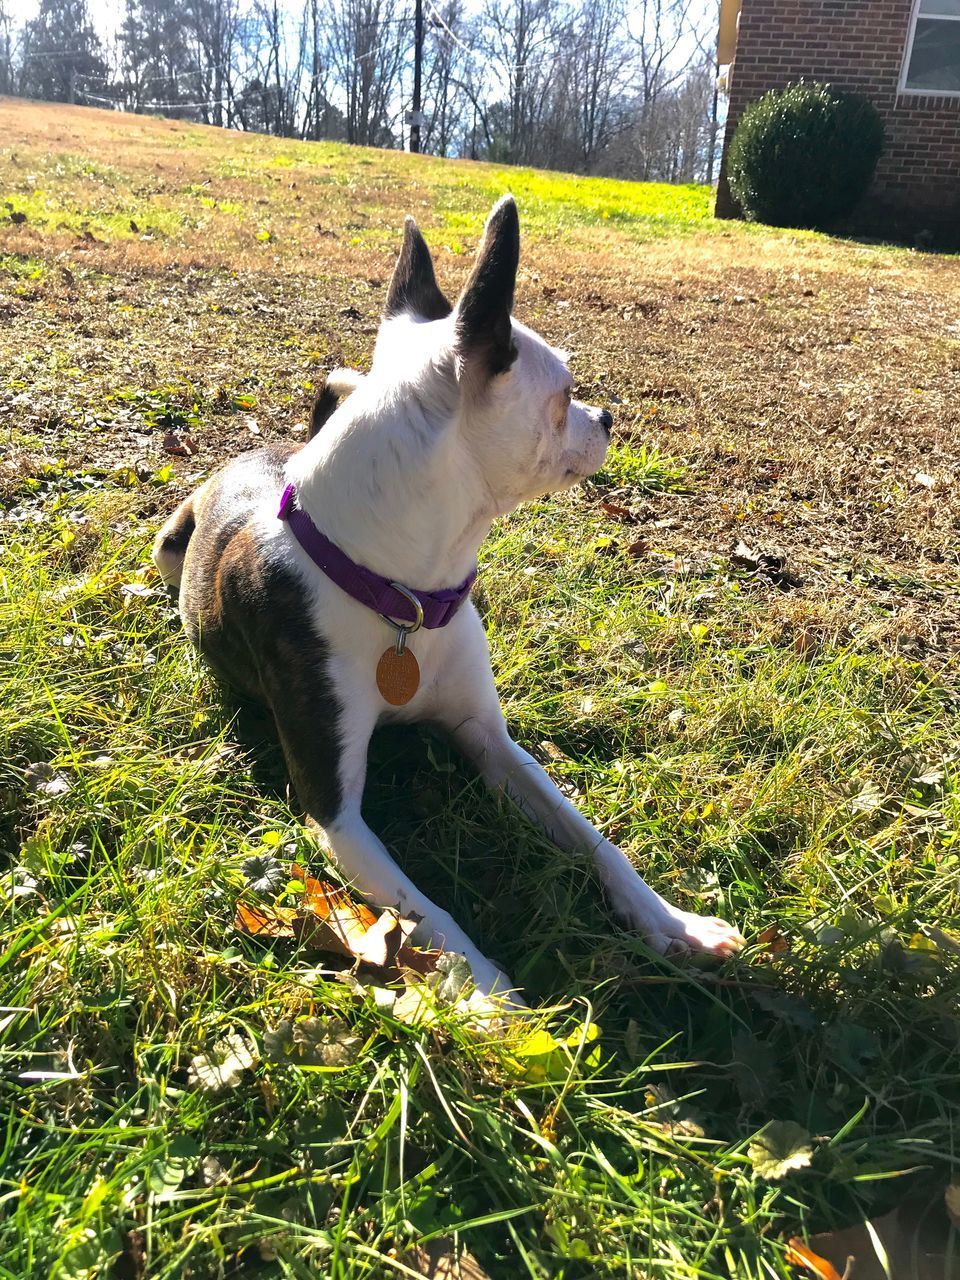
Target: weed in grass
x: 642, y: 469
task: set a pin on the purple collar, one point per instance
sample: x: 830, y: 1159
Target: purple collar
x: 384, y: 597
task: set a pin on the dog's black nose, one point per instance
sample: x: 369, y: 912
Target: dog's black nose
x: 606, y: 420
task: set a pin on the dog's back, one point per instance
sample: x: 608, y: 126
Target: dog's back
x: 232, y: 590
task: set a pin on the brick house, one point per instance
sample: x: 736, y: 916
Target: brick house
x: 904, y: 55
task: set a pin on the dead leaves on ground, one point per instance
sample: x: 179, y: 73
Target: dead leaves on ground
x: 912, y: 1240
x: 327, y: 919
x: 181, y: 446
x: 799, y: 1255
x: 765, y: 567
x: 441, y: 1259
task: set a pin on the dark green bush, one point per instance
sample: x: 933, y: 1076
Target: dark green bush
x: 804, y: 156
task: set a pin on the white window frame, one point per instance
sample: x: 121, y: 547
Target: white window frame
x: 902, y: 89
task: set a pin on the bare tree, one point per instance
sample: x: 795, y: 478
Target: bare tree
x: 446, y: 64
x: 60, y: 46
x: 368, y: 52
x: 8, y: 44
x: 156, y: 61
x: 596, y: 86
x: 321, y: 119
x: 659, y: 28
x: 214, y: 29
x: 519, y: 38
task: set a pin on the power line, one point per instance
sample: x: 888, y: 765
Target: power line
x: 471, y: 53
x: 153, y: 106
x: 176, y: 76
x: 58, y: 53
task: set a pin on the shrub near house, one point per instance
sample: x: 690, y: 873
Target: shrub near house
x: 902, y: 55
x: 804, y: 157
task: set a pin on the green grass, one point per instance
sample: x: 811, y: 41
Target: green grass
x: 731, y: 769
x: 67, y: 192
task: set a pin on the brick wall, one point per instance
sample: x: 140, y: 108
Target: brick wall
x: 857, y: 45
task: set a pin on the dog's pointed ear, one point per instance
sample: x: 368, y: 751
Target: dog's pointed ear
x: 484, y: 331
x: 414, y: 289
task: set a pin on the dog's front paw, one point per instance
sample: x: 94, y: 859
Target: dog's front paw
x: 665, y: 928
x: 682, y: 932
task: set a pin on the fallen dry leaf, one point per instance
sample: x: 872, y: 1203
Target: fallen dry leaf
x: 328, y: 919
x: 616, y: 511
x: 345, y: 931
x: 798, y: 1255
x: 265, y: 922
x: 772, y: 940
x: 442, y: 1260
x: 181, y: 446
x: 914, y: 1239
x: 764, y: 566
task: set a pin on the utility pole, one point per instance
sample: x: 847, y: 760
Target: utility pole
x: 416, y: 115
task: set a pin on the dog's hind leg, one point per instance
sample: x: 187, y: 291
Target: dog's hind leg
x: 170, y: 544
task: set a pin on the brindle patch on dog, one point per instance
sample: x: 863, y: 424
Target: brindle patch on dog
x: 243, y: 610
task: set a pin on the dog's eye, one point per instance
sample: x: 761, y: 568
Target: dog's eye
x: 568, y: 394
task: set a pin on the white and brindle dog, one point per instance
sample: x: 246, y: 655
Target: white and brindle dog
x: 298, y: 565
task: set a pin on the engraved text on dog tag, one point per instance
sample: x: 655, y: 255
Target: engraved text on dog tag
x: 398, y: 676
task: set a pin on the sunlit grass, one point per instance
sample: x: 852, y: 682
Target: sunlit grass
x: 730, y: 767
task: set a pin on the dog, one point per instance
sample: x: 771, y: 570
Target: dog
x: 331, y: 581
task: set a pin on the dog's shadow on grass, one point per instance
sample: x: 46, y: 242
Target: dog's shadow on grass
x: 862, y: 1040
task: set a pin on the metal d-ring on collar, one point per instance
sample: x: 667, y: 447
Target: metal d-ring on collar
x: 404, y: 629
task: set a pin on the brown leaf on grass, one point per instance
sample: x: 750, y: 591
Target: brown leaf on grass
x: 913, y: 1239
x: 442, y: 1260
x: 321, y: 898
x: 265, y: 922
x: 616, y: 511
x: 764, y: 566
x: 328, y: 919
x: 798, y: 1255
x: 180, y: 446
x: 772, y: 940
x: 637, y: 549
x: 344, y: 931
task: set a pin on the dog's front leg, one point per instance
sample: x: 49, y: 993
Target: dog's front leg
x: 479, y: 730
x: 366, y: 863
x: 357, y: 851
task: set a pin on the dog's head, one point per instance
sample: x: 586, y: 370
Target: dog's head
x: 509, y: 393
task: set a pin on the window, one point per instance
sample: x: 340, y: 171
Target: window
x: 932, y: 61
